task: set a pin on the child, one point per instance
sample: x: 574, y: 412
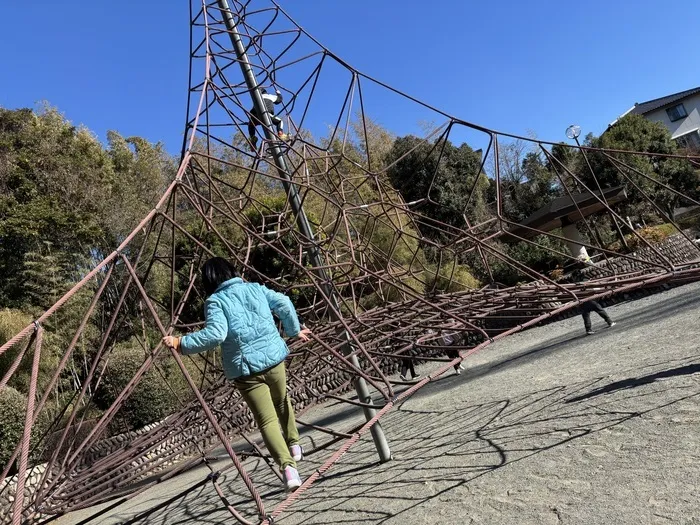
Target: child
x: 239, y: 318
x: 448, y: 340
x: 594, y: 306
x: 406, y: 365
x: 590, y: 306
x: 256, y: 119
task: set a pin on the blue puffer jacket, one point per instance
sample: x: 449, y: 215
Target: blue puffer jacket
x: 239, y: 318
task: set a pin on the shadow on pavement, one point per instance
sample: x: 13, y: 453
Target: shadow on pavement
x: 447, y: 447
x: 634, y: 382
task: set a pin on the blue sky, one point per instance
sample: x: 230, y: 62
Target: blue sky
x: 509, y: 65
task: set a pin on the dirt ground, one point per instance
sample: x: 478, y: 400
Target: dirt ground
x: 548, y: 426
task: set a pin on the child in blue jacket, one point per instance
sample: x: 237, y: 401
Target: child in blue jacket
x: 239, y: 318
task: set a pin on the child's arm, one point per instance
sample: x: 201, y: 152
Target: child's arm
x: 282, y: 306
x: 211, y: 336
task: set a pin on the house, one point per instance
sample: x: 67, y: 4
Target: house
x: 680, y: 113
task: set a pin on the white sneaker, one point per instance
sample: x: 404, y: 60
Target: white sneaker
x: 291, y: 478
x: 612, y: 324
x: 297, y: 452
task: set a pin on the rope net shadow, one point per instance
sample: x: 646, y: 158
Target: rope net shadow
x: 391, y: 249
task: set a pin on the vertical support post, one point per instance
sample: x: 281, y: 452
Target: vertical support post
x: 575, y: 243
x: 302, y: 221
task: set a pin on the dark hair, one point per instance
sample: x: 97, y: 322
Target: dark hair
x: 216, y: 271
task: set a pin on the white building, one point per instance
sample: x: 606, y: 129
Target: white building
x: 679, y: 112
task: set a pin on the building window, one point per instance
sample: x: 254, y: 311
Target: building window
x: 676, y: 112
x: 689, y: 140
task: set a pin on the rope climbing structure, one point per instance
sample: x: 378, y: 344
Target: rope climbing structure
x: 391, y: 249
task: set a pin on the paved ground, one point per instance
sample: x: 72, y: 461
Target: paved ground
x: 547, y: 426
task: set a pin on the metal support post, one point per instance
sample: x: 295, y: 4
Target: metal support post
x: 303, y: 224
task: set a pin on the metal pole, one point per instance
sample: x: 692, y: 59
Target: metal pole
x: 303, y: 224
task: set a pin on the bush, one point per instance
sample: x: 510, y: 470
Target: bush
x: 390, y: 293
x: 452, y: 278
x: 651, y: 234
x: 540, y: 258
x: 11, y: 323
x: 13, y: 406
x: 154, y: 397
x: 556, y: 274
x: 660, y: 232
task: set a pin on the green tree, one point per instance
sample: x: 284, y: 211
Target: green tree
x: 440, y: 175
x: 52, y: 181
x: 636, y: 134
x: 142, y: 171
x: 60, y: 188
x: 65, y: 201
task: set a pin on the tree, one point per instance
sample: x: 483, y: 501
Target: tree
x: 527, y: 182
x: 52, y: 180
x: 374, y: 141
x: 441, y: 176
x: 542, y: 185
x: 45, y: 276
x: 142, y: 171
x: 60, y: 187
x: 65, y: 201
x: 643, y: 175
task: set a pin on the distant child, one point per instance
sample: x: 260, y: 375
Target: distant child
x: 448, y: 340
x: 256, y: 119
x: 591, y: 306
x: 406, y: 366
x: 594, y: 306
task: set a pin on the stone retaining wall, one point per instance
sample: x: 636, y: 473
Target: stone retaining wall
x: 8, y: 490
x: 675, y: 247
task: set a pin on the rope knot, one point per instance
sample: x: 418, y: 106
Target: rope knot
x: 214, y: 476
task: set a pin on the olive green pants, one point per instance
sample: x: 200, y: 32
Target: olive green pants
x: 266, y: 396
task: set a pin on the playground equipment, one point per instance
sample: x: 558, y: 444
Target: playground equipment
x: 317, y: 218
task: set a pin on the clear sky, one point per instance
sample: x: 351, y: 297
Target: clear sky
x: 506, y: 64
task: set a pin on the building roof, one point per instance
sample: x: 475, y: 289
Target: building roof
x: 565, y: 210
x: 657, y: 103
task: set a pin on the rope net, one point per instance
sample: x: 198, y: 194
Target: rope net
x: 402, y: 255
